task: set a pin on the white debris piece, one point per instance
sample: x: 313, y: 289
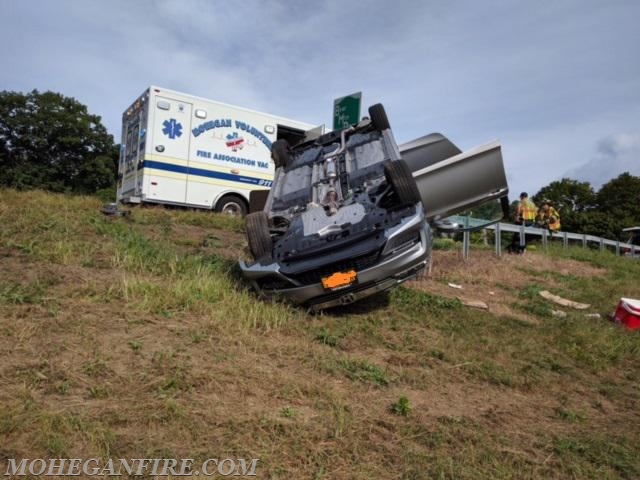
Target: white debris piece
x: 563, y: 301
x: 474, y: 303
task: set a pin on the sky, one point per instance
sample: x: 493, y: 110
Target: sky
x: 557, y: 82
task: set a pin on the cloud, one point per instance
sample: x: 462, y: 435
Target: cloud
x: 546, y: 81
x: 615, y: 154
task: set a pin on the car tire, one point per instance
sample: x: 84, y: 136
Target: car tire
x: 260, y: 242
x: 280, y: 153
x: 378, y: 117
x: 399, y: 176
x: 232, y: 205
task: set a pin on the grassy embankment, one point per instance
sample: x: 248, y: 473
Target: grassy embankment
x: 136, y: 338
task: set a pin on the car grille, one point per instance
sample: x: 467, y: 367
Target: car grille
x: 403, y: 240
x: 359, y: 263
x: 273, y: 284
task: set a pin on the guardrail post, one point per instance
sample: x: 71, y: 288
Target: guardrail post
x: 602, y: 244
x: 522, y: 237
x: 466, y: 239
x: 498, y: 239
x: 545, y: 244
x: 617, y: 247
x: 584, y: 240
x: 565, y: 240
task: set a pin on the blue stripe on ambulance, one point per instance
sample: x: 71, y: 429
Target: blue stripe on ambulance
x: 170, y: 167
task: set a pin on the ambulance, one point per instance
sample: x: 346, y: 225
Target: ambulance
x: 184, y: 150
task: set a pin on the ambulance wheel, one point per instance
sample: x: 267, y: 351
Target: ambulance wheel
x: 260, y: 243
x: 378, y: 117
x: 399, y: 176
x: 232, y: 205
x: 280, y: 153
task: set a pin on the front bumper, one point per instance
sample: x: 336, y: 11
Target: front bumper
x: 396, y: 263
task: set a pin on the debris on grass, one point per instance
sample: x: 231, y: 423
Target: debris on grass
x: 563, y: 301
x: 474, y: 303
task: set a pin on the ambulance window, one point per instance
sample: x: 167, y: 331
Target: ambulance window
x: 128, y: 143
x: 134, y: 139
x: 201, y: 113
x: 163, y: 105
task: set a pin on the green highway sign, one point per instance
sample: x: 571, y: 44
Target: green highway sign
x: 346, y: 111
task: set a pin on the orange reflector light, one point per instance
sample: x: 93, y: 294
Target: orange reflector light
x: 339, y: 279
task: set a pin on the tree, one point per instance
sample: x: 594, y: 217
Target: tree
x: 571, y: 199
x: 50, y: 141
x: 620, y: 197
x: 568, y: 195
x: 599, y: 224
x: 605, y: 213
x: 619, y: 200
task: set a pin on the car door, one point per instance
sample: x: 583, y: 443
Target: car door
x: 451, y: 181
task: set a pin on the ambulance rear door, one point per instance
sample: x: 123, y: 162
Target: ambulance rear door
x: 166, y: 165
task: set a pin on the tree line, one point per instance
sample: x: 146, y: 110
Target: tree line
x: 605, y: 213
x: 52, y: 142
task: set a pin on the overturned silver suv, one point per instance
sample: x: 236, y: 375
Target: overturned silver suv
x: 346, y: 218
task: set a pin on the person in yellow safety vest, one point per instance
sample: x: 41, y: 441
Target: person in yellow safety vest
x: 525, y: 215
x: 549, y: 217
x: 526, y: 212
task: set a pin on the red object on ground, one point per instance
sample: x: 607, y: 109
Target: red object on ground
x: 628, y: 313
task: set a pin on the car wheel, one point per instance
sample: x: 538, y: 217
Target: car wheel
x: 232, y: 205
x: 260, y: 243
x: 401, y: 180
x: 280, y: 153
x: 378, y: 117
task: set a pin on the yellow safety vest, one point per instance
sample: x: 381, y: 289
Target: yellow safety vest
x: 527, y: 210
x: 554, y: 219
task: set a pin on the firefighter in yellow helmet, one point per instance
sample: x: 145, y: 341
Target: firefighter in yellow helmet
x: 525, y: 215
x: 548, y: 217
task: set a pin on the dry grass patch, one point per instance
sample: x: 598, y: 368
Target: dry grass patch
x: 144, y: 342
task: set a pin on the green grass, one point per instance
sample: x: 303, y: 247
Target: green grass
x: 401, y: 407
x: 364, y: 371
x: 288, y: 412
x: 595, y: 456
x: 136, y: 336
x: 18, y: 293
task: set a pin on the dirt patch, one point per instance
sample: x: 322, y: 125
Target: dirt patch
x: 496, y: 280
x: 228, y: 244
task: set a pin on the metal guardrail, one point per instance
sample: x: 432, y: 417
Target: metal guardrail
x: 535, y: 231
